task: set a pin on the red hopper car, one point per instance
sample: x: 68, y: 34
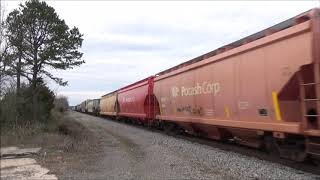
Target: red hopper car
x: 136, y: 101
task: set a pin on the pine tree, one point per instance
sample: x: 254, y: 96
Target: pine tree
x: 43, y: 42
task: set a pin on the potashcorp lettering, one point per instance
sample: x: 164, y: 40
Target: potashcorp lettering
x: 127, y: 99
x: 199, y: 88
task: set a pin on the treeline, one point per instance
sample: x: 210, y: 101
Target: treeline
x: 33, y: 41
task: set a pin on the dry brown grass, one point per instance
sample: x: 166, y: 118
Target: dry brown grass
x: 80, y: 138
x: 64, y: 142
x: 63, y: 135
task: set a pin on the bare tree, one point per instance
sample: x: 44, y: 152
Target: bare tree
x: 61, y: 103
x: 3, y: 50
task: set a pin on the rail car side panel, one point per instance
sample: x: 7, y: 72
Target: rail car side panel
x: 83, y: 106
x: 89, y: 106
x: 134, y: 100
x: 108, y: 104
x: 96, y: 106
x: 242, y: 87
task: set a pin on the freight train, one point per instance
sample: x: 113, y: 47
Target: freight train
x: 261, y: 91
x: 90, y: 106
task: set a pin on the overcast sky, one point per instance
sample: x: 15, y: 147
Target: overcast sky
x: 128, y: 41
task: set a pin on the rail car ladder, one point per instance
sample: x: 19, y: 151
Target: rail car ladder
x: 311, y: 121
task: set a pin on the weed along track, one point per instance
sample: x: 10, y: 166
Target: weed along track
x: 123, y: 142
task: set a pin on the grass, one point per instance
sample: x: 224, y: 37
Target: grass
x: 60, y: 132
x: 63, y: 141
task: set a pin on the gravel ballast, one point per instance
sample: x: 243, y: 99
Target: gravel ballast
x: 131, y: 152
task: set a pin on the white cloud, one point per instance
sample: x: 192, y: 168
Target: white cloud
x: 126, y: 41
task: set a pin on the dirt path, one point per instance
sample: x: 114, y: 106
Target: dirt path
x: 130, y: 152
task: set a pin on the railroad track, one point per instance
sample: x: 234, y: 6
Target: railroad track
x: 307, y: 166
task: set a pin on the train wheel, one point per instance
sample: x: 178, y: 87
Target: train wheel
x: 171, y: 128
x: 168, y: 128
x: 293, y: 149
x: 272, y: 146
x: 157, y: 125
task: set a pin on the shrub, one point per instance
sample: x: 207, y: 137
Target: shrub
x: 17, y: 110
x: 61, y: 104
